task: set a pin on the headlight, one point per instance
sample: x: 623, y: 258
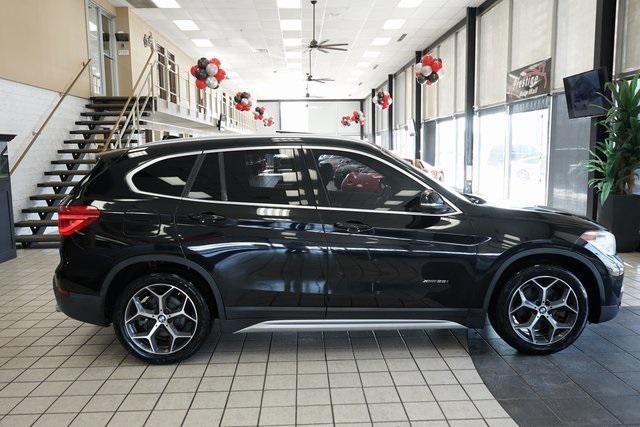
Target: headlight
x: 603, y: 240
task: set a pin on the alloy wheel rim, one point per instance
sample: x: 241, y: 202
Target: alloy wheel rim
x: 543, y: 310
x: 160, y: 319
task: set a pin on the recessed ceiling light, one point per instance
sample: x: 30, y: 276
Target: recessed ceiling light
x: 393, y: 24
x: 293, y: 55
x: 363, y: 64
x: 380, y: 41
x: 186, y: 25
x: 406, y: 4
x: 289, y: 4
x: 167, y: 4
x: 371, y: 54
x: 294, y: 65
x: 290, y: 24
x: 292, y: 42
x: 202, y: 42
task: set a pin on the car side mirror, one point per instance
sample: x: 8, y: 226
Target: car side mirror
x: 431, y: 202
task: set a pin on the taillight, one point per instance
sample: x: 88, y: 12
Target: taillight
x: 74, y: 218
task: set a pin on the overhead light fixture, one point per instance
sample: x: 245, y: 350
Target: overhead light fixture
x: 290, y: 24
x: 166, y: 4
x: 407, y: 4
x: 371, y: 54
x: 291, y: 42
x: 289, y: 4
x: 393, y: 24
x: 202, y: 42
x: 380, y: 41
x: 293, y: 54
x: 186, y: 25
x: 363, y: 64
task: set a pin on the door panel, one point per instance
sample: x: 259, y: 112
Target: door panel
x: 268, y: 259
x: 396, y: 262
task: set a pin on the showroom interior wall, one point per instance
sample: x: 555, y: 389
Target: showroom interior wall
x: 320, y: 116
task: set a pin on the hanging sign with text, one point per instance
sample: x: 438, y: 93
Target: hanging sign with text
x: 529, y: 81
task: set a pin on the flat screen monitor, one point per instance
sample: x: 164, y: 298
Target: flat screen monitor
x: 583, y: 92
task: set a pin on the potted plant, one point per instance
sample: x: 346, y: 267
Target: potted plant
x: 615, y: 163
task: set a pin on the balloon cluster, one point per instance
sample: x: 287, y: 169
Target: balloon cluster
x: 382, y: 99
x: 355, y: 117
x: 208, y: 73
x: 267, y: 122
x: 258, y: 113
x: 427, y: 69
x: 242, y: 101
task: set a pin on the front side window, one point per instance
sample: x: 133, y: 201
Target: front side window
x: 355, y: 181
x: 166, y: 177
x: 263, y: 176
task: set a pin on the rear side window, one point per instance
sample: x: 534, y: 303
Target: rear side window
x: 167, y: 177
x: 263, y: 176
x: 206, y: 186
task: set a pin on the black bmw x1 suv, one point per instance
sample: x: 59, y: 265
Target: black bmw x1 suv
x: 312, y: 233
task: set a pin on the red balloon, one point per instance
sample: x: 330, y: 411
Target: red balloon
x: 215, y: 61
x: 436, y: 65
x: 201, y: 84
x: 194, y: 70
x: 427, y: 60
x: 220, y: 75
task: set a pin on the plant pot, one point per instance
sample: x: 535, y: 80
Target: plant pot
x: 621, y: 215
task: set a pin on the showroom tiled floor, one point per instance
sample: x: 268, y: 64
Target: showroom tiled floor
x: 56, y: 371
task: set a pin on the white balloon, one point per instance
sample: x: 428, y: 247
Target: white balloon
x: 212, y: 82
x: 426, y: 70
x: 244, y: 101
x: 212, y: 69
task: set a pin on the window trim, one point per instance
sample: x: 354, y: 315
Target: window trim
x: 132, y: 172
x: 303, y: 148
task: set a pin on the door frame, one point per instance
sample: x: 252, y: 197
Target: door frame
x: 112, y: 41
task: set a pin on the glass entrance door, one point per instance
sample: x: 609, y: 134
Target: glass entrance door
x: 101, y: 34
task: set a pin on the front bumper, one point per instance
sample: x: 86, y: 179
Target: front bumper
x: 82, y: 307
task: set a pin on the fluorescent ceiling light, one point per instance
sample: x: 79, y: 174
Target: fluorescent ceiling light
x: 380, y: 41
x: 293, y: 55
x: 202, y: 42
x: 406, y: 4
x: 186, y: 25
x: 289, y: 4
x: 393, y: 24
x: 166, y: 4
x: 290, y: 24
x: 292, y: 42
x: 363, y: 64
x: 371, y: 54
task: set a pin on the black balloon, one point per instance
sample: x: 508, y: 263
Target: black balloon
x: 201, y: 74
x: 421, y: 79
x: 433, y: 77
x: 203, y: 62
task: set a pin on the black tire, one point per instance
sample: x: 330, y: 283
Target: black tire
x: 500, y: 315
x: 199, y: 328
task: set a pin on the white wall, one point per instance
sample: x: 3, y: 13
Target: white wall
x: 23, y: 109
x: 319, y: 117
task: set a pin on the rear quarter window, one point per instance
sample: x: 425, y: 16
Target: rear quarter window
x: 167, y: 177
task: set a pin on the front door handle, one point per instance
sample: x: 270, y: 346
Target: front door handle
x: 353, y: 226
x: 206, y: 217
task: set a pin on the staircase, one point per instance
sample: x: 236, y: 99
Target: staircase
x: 77, y: 161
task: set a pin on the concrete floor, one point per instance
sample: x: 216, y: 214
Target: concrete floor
x: 57, y: 371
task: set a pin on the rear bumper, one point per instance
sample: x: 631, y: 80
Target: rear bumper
x: 82, y: 307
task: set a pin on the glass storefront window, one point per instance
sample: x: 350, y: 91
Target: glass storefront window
x: 446, y: 157
x: 489, y: 158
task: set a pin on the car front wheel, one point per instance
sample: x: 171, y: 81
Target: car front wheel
x: 161, y: 318
x: 540, y: 310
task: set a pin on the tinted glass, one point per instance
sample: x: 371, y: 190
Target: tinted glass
x: 360, y: 182
x: 167, y: 177
x: 206, y: 186
x: 263, y: 176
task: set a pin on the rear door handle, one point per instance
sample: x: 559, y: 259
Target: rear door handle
x: 353, y: 226
x: 206, y: 217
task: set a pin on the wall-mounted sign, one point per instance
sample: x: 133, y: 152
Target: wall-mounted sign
x: 529, y: 81
x: 123, y: 52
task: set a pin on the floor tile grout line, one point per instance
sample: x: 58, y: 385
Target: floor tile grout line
x: 264, y: 378
x: 233, y: 379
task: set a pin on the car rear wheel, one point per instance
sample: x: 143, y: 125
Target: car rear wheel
x: 161, y: 318
x: 540, y: 310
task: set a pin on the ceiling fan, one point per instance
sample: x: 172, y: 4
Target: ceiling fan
x: 310, y: 75
x: 322, y: 46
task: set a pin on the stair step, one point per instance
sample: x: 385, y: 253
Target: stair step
x: 65, y: 172
x: 98, y: 131
x: 37, y: 223
x: 49, y: 196
x: 111, y: 106
x: 57, y: 184
x: 101, y: 123
x: 74, y: 162
x: 79, y: 150
x: 121, y: 99
x: 106, y: 113
x: 34, y: 238
x: 91, y: 141
x: 40, y: 209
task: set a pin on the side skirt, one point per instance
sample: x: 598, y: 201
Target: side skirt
x: 307, y: 325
